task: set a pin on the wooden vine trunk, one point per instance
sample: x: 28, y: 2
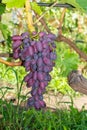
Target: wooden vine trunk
x: 77, y: 81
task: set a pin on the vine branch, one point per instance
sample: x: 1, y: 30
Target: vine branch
x: 10, y: 63
x: 62, y: 38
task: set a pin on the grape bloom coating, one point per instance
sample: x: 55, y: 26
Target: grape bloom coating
x: 37, y: 57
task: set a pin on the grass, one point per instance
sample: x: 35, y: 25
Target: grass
x: 17, y: 118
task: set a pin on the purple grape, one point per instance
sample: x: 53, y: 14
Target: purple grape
x: 36, y: 84
x: 41, y: 34
x: 30, y: 50
x: 42, y: 104
x: 42, y: 85
x: 47, y: 61
x: 47, y: 77
x: 16, y: 37
x: 45, y: 44
x: 26, y: 64
x: 35, y: 75
x: 36, y: 97
x: 35, y: 56
x: 37, y: 105
x: 33, y: 43
x: 15, y: 55
x: 16, y: 44
x: 35, y: 49
x: 30, y: 82
x: 25, y: 53
x: 26, y: 40
x: 28, y: 58
x: 40, y: 92
x: 30, y: 102
x: 40, y: 76
x: 39, y: 62
x: 28, y: 76
x: 34, y: 91
x: 51, y: 36
x: 45, y: 52
x: 40, y: 68
x: 33, y: 67
x: 27, y: 68
x: 53, y: 56
x: 39, y: 46
x: 47, y: 68
x: 24, y: 35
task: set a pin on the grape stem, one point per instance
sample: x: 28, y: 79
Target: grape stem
x: 10, y: 63
x: 29, y: 16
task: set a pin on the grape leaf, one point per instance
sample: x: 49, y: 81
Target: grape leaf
x: 83, y: 4
x: 36, y: 8
x: 4, y: 30
x: 2, y: 8
x: 14, y: 3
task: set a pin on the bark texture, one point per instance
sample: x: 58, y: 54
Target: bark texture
x: 77, y: 81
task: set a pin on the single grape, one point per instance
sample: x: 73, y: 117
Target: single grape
x: 51, y: 36
x: 30, y: 82
x: 35, y: 49
x: 41, y: 34
x: 35, y: 84
x: 39, y: 62
x: 40, y: 68
x: 16, y: 44
x: 35, y: 75
x: 25, y: 35
x: 35, y: 56
x: 42, y: 104
x: 39, y: 46
x: 33, y: 43
x: 26, y: 40
x: 47, y: 77
x: 30, y: 51
x: 28, y: 76
x: 40, y: 76
x: 34, y: 91
x: 47, y: 68
x: 47, y: 61
x: 53, y: 56
x: 16, y: 37
x: 37, y: 105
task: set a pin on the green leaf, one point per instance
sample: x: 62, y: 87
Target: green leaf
x: 36, y: 8
x: 2, y: 8
x: 83, y: 4
x: 4, y: 30
x: 14, y: 3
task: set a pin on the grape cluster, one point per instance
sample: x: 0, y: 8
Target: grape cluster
x: 37, y: 57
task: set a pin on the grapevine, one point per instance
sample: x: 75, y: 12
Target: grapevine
x: 37, y: 57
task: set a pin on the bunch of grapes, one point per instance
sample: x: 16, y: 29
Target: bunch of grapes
x: 37, y: 57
